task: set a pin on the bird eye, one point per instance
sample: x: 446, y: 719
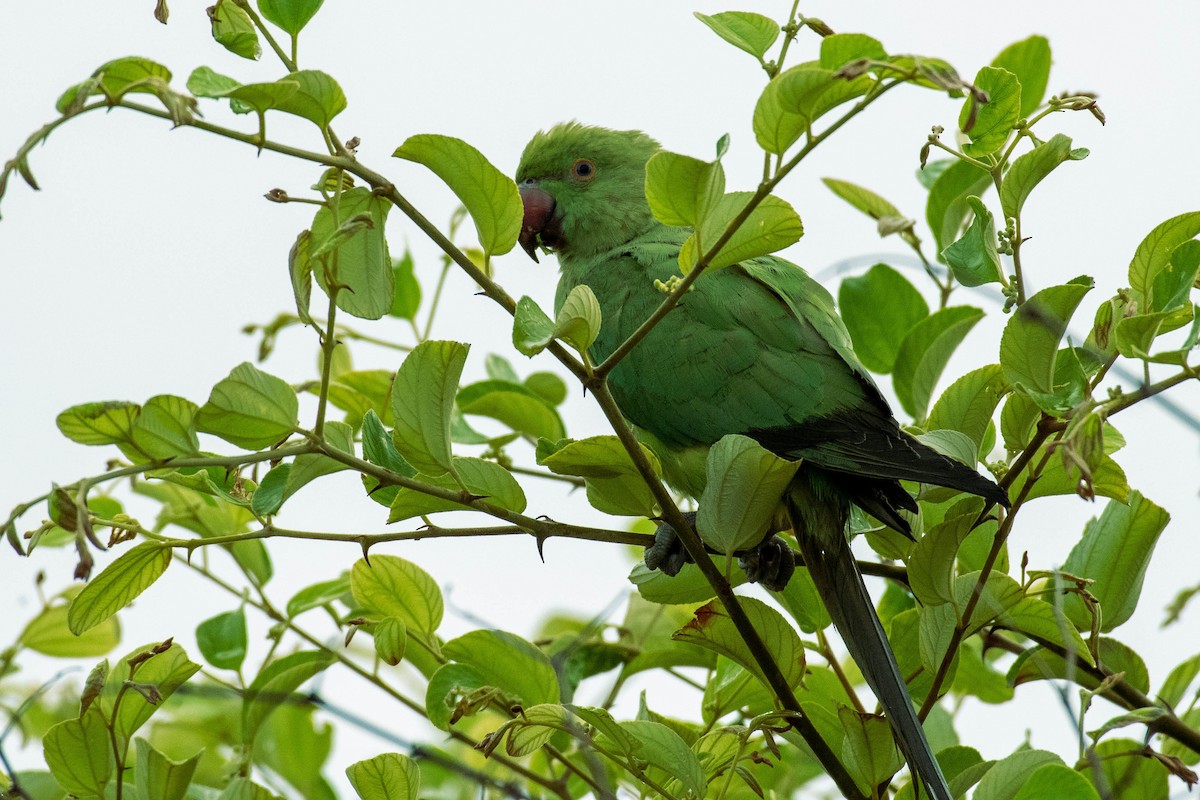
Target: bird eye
x: 584, y: 169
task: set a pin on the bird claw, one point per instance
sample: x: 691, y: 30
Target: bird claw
x: 668, y: 553
x: 771, y: 564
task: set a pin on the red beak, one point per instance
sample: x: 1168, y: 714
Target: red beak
x: 538, y: 224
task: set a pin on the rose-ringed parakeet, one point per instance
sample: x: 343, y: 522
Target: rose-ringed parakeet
x: 755, y: 349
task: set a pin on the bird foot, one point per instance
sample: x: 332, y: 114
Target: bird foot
x: 668, y: 553
x: 770, y: 563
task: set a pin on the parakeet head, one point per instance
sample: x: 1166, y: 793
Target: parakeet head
x: 584, y: 189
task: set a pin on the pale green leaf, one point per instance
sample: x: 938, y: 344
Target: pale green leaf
x: 742, y: 493
x: 745, y: 30
x: 491, y: 198
x: 924, y: 353
x: 1029, y: 61
x: 771, y: 226
x: 1028, y: 170
x: 974, y: 258
x: 117, y: 585
x: 250, y: 409
x: 712, y: 628
x: 422, y: 399
x: 392, y: 587
x: 879, y: 308
x: 1114, y: 552
x: 989, y: 124
x: 388, y: 776
x: 79, y: 754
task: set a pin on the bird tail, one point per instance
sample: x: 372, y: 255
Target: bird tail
x: 815, y: 518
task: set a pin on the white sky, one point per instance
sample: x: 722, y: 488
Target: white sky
x: 135, y: 268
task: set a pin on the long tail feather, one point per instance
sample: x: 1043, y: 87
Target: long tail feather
x: 834, y: 571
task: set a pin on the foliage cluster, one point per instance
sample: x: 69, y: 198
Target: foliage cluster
x: 963, y: 618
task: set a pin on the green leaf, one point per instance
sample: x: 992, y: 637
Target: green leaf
x: 1177, y: 683
x: 578, y: 321
x: 947, y: 207
x: 745, y: 483
x: 308, y: 467
x: 222, y: 639
x: 974, y: 258
x: 131, y: 74
x: 1028, y: 170
x: 271, y: 687
x: 318, y: 595
x: 245, y: 789
x: 924, y: 353
x: 789, y: 105
x: 318, y: 99
x: 406, y: 292
x: 931, y: 564
x: 745, y: 30
x: 1123, y: 765
x: 771, y: 226
x: 1056, y: 782
x: 1036, y: 618
x: 712, y: 628
x: 864, y: 200
x: 290, y: 15
x: 969, y: 403
x: 1029, y: 344
x: 879, y: 308
x: 99, y: 423
x: 166, y: 428
x: 840, y: 49
x: 1029, y: 61
x: 547, y: 386
x: 507, y: 662
x: 295, y: 744
x: 446, y: 685
x: 422, y: 398
x: 48, y: 634
x: 117, y: 586
x: 490, y: 196
x: 482, y: 479
x: 1174, y: 283
x: 268, y: 497
x: 1114, y: 552
x: 354, y: 258
x: 682, y: 190
x: 391, y: 639
x: 802, y: 600
x: 868, y: 749
x: 689, y: 586
x: 614, y: 484
x: 160, y: 777
x: 392, y: 587
x: 1153, y: 255
x: 663, y: 748
x: 989, y: 124
x: 1135, y: 335
x: 1005, y: 778
x: 162, y: 672
x: 233, y: 30
x: 250, y: 409
x: 532, y: 328
x: 514, y: 405
x: 388, y: 776
x: 79, y: 754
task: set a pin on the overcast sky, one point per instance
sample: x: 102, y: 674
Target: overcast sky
x: 134, y: 270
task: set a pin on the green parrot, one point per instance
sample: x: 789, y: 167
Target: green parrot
x: 755, y: 349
